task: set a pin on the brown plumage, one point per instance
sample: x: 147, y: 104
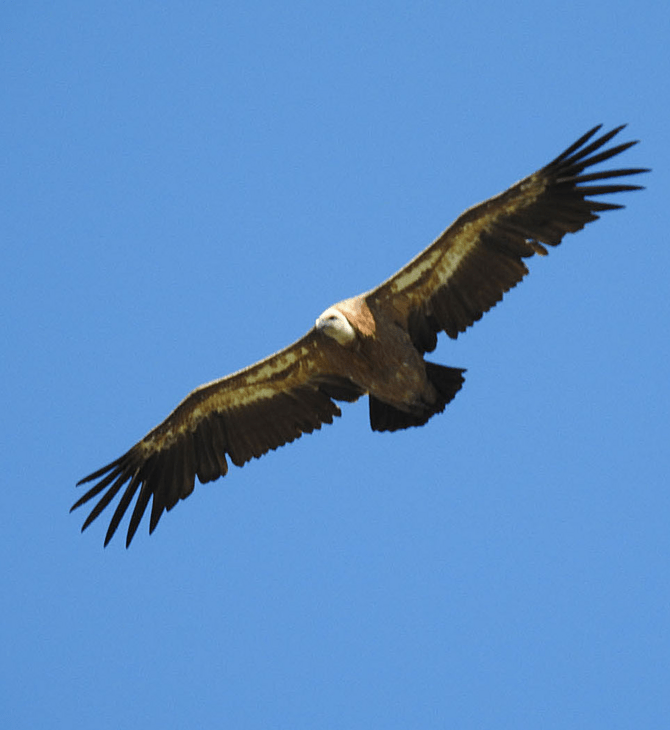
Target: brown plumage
x: 370, y: 344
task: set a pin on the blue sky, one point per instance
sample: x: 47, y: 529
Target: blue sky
x: 184, y: 188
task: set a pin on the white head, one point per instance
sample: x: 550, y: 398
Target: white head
x: 334, y: 324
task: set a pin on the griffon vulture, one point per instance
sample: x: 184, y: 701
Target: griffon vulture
x: 372, y: 344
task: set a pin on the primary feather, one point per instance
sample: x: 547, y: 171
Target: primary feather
x: 371, y: 344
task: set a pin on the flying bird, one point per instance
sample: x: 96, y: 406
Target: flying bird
x: 372, y: 344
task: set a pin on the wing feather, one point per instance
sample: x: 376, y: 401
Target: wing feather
x: 447, y: 287
x: 241, y: 416
x: 467, y: 270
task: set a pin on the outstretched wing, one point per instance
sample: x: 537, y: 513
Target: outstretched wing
x: 466, y: 271
x: 241, y: 416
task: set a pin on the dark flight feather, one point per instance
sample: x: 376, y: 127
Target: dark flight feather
x: 446, y: 288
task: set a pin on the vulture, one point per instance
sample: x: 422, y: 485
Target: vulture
x: 372, y: 344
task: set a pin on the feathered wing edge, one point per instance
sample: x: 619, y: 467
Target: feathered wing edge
x: 447, y: 287
x: 225, y: 418
x: 466, y: 271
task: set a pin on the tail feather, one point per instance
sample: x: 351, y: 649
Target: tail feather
x: 447, y: 382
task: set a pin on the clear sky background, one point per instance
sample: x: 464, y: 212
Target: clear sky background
x: 184, y: 188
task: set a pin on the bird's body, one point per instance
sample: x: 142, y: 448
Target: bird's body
x: 381, y: 357
x: 371, y: 344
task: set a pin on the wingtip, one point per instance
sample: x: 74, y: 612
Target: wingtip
x: 111, y: 531
x: 79, y: 502
x: 103, y: 470
x: 88, y: 520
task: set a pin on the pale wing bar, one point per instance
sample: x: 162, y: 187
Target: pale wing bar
x: 488, y: 243
x: 168, y: 473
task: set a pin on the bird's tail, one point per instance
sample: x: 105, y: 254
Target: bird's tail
x: 446, y: 381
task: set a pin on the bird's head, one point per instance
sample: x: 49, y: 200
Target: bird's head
x: 334, y: 324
